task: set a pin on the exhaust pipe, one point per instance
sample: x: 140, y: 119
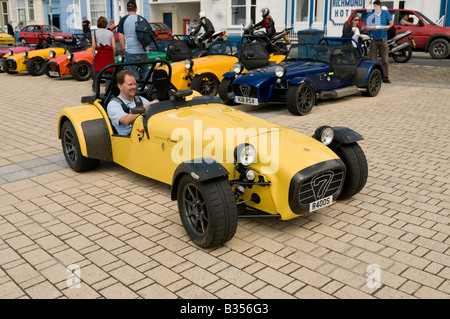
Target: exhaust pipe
x: 400, y: 47
x: 351, y: 90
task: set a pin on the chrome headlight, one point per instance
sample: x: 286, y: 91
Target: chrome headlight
x: 245, y: 154
x: 52, y: 54
x: 69, y: 56
x: 238, y: 67
x: 280, y: 71
x: 10, y: 52
x: 188, y: 64
x: 324, y: 134
x: 25, y: 54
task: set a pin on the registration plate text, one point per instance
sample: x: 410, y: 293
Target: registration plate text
x: 324, y: 202
x: 246, y: 100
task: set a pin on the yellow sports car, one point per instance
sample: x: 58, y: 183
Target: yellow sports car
x: 204, y: 74
x: 34, y: 61
x: 6, y: 38
x: 215, y: 158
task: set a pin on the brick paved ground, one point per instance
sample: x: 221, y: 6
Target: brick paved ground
x: 124, y: 233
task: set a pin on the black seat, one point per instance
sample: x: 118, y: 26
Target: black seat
x: 254, y: 55
x: 160, y: 89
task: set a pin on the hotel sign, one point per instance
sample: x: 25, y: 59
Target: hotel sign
x: 340, y: 10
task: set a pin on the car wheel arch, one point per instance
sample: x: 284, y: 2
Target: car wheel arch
x: 436, y: 36
x: 202, y: 169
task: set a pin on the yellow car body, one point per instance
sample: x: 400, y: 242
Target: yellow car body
x: 6, y: 38
x: 197, y: 144
x: 31, y: 61
x: 205, y: 73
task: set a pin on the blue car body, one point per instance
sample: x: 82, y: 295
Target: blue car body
x: 330, y: 69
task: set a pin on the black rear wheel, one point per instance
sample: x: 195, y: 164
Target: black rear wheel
x: 402, y: 56
x: 81, y: 71
x: 374, y: 83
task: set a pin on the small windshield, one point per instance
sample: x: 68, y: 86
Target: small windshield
x: 314, y: 52
x: 161, y: 45
x: 159, y: 27
x: 225, y: 48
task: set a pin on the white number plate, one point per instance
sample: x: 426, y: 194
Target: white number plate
x: 246, y: 100
x: 53, y: 73
x: 324, y: 202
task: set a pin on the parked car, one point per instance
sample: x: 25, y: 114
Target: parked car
x: 428, y: 36
x: 6, y: 38
x: 77, y: 64
x: 6, y: 53
x: 34, y: 61
x: 29, y: 34
x: 330, y: 69
x: 205, y: 73
x: 161, y: 30
x: 270, y: 170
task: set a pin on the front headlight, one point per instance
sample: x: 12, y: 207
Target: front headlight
x: 25, y: 54
x: 280, y: 71
x: 10, y: 52
x: 238, y: 67
x: 188, y: 64
x: 245, y: 154
x: 52, y: 54
x: 120, y: 58
x: 69, y: 56
x: 324, y: 134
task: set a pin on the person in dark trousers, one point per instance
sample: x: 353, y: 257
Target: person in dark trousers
x: 86, y: 27
x: 134, y: 52
x: 10, y: 28
x: 267, y: 23
x: 207, y: 26
x: 377, y: 24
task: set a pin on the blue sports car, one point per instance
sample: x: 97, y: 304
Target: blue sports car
x: 330, y: 69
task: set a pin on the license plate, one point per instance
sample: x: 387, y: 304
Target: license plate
x: 224, y: 37
x: 53, y: 73
x: 413, y: 43
x: 286, y: 37
x: 324, y: 202
x: 246, y: 100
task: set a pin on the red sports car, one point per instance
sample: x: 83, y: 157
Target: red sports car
x: 29, y: 34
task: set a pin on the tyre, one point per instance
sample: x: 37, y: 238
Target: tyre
x: 47, y: 71
x: 225, y: 87
x: 356, y: 168
x: 23, y: 41
x: 2, y: 66
x: 374, y: 83
x: 402, y: 56
x: 439, y: 49
x: 35, y: 66
x: 208, y: 210
x: 206, y: 84
x: 81, y: 71
x: 300, y: 99
x: 72, y: 152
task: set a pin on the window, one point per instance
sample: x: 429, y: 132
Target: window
x: 302, y: 10
x: 30, y: 10
x: 97, y: 9
x: 319, y: 6
x: 241, y: 12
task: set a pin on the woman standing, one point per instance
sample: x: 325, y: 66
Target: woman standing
x: 103, y: 48
x: 352, y: 30
x: 16, y: 30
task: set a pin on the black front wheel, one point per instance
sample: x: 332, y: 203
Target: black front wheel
x: 206, y: 84
x: 81, y: 71
x: 208, y: 210
x: 225, y: 87
x: 356, y: 168
x: 300, y: 99
x: 72, y: 151
x: 35, y: 66
x: 439, y: 49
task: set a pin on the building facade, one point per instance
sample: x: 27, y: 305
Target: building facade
x: 231, y: 15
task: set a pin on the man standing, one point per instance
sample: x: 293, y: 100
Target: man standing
x: 86, y: 27
x: 377, y: 24
x: 10, y: 28
x: 134, y: 52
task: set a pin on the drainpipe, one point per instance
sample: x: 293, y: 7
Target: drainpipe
x: 51, y: 18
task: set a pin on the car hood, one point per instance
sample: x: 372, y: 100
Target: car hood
x: 297, y: 68
x: 5, y: 35
x: 278, y: 147
x: 432, y: 29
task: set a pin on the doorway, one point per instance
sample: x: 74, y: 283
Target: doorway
x: 167, y: 19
